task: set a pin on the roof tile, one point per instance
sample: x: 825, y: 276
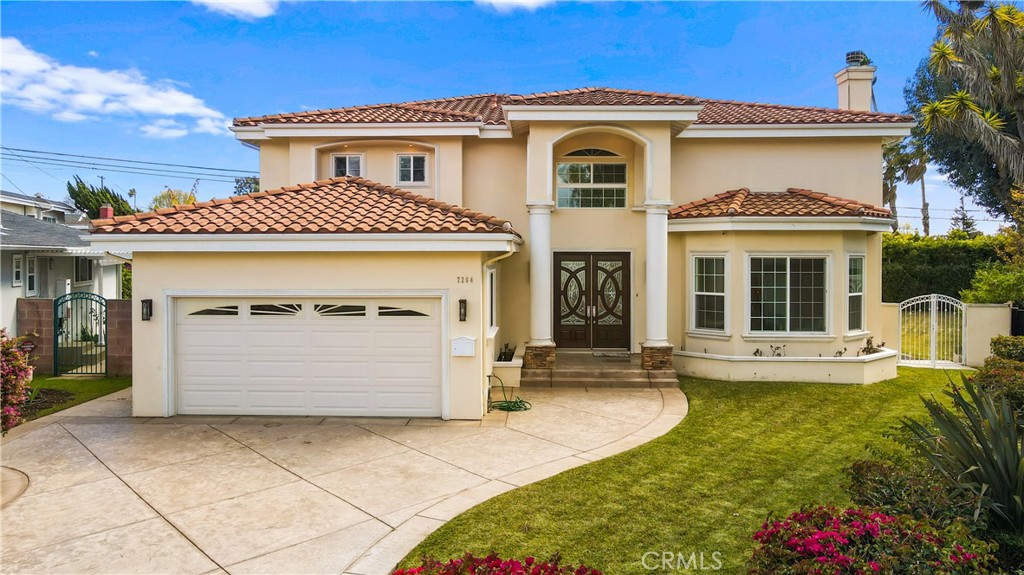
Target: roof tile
x: 488, y: 109
x: 351, y: 205
x: 792, y: 202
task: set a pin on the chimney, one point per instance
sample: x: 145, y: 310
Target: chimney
x: 106, y: 212
x: 855, y: 82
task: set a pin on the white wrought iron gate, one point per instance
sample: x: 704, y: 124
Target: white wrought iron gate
x: 933, y: 331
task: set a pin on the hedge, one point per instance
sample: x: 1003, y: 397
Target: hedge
x: 914, y: 265
x: 1008, y: 347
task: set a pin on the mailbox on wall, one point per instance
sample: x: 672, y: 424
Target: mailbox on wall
x: 463, y: 347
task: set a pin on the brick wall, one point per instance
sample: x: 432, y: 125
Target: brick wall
x: 35, y: 322
x: 119, y: 337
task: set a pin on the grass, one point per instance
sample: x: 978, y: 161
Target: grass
x: 746, y: 450
x: 84, y: 388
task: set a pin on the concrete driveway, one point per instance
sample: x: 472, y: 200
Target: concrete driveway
x: 108, y: 493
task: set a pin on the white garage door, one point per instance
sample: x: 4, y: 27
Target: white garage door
x: 324, y: 356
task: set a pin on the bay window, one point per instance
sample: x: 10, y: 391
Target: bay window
x: 855, y: 293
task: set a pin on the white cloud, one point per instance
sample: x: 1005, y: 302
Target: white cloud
x: 37, y: 82
x: 506, y: 6
x: 164, y: 128
x: 93, y: 54
x: 242, y: 9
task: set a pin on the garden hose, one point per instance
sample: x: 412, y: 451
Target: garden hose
x: 506, y: 404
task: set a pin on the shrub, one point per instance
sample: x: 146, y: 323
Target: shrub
x: 495, y: 565
x: 1008, y: 347
x: 913, y: 265
x: 996, y: 282
x: 1004, y: 378
x: 16, y: 373
x: 977, y: 448
x: 858, y: 541
x: 910, y: 487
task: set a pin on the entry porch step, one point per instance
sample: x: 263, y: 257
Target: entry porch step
x: 600, y: 377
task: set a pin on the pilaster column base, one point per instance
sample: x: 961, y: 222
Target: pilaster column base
x: 656, y: 357
x: 539, y: 357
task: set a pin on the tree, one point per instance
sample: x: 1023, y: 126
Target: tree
x: 88, y: 199
x: 968, y: 167
x: 247, y: 185
x: 170, y: 198
x: 905, y: 161
x: 963, y: 222
x: 981, y: 53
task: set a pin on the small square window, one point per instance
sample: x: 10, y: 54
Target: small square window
x: 348, y: 165
x: 412, y: 169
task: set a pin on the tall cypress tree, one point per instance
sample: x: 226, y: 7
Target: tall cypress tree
x: 89, y: 198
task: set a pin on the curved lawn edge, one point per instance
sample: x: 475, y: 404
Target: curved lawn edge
x: 748, y: 449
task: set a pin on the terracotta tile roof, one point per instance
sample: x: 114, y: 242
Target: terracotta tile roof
x: 793, y: 202
x: 488, y: 109
x: 602, y: 97
x: 729, y: 112
x: 338, y: 206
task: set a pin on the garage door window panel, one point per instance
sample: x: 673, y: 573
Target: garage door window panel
x: 338, y: 310
x: 275, y: 309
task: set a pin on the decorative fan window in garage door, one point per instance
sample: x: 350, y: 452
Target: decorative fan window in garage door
x: 220, y: 310
x: 339, y: 310
x: 275, y: 309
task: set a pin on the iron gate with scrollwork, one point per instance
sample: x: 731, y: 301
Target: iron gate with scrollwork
x: 80, y: 334
x: 932, y: 330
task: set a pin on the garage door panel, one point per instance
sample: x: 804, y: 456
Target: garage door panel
x: 210, y: 340
x: 290, y: 339
x: 213, y: 399
x: 258, y: 398
x: 323, y: 361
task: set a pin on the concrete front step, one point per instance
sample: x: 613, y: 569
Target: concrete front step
x: 633, y: 378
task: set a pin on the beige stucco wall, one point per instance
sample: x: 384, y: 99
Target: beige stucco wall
x: 155, y: 275
x: 844, y: 167
x: 984, y: 321
x: 296, y: 161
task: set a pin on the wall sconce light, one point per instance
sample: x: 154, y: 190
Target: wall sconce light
x: 147, y: 309
x: 462, y: 309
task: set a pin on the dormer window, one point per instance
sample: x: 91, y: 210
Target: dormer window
x: 348, y: 165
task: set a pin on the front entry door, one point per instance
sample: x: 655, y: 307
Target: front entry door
x: 591, y: 300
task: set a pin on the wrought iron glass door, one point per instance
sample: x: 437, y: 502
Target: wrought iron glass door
x: 592, y: 300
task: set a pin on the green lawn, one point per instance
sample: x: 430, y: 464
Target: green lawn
x: 84, y: 388
x: 744, y: 451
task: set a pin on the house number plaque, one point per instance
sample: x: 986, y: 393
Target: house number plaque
x: 464, y: 279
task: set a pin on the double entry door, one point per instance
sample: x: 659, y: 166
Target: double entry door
x: 591, y: 300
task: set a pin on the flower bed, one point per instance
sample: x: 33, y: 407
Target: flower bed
x: 824, y: 540
x: 495, y: 565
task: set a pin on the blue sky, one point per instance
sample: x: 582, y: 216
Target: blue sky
x: 157, y: 81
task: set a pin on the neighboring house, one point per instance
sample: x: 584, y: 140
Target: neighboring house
x: 42, y: 209
x: 701, y: 234
x: 41, y: 259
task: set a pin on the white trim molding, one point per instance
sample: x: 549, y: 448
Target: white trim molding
x: 781, y: 224
x: 412, y: 242
x: 874, y: 130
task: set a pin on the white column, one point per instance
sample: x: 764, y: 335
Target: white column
x: 540, y: 274
x: 657, y: 277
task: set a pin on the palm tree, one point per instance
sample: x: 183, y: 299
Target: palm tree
x: 913, y: 172
x: 982, y: 50
x: 905, y: 162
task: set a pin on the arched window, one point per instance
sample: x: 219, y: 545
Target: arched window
x: 592, y: 153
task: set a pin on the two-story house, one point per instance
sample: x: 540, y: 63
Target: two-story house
x: 705, y: 236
